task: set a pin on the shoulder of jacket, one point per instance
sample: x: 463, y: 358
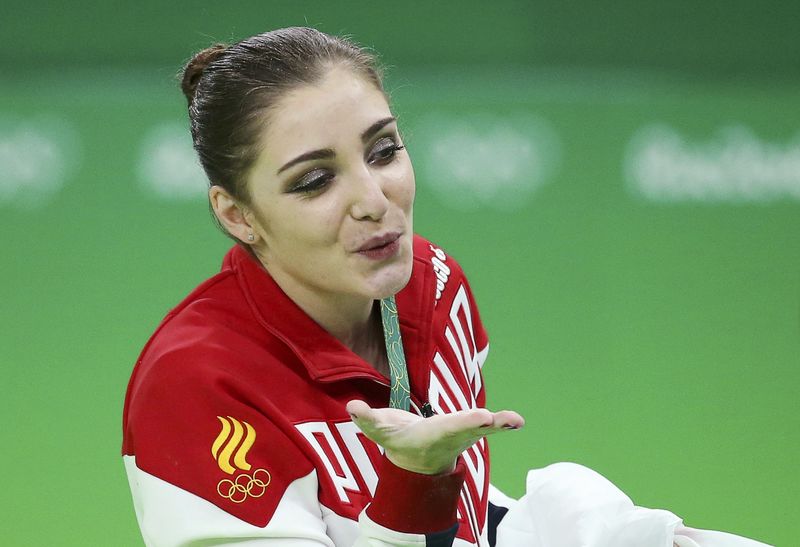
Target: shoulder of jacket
x: 201, y: 328
x: 432, y: 257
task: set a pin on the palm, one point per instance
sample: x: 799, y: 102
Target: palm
x: 428, y: 445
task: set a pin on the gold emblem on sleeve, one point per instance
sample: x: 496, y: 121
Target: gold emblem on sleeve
x: 230, y: 450
x: 231, y: 446
x: 244, y: 486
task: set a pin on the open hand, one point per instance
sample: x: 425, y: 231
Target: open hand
x: 428, y: 445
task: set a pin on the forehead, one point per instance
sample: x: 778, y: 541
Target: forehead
x: 330, y: 113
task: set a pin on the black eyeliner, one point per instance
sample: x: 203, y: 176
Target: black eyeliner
x: 316, y: 183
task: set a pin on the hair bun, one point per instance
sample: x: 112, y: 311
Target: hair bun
x: 195, y: 67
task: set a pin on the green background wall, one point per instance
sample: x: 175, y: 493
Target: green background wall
x: 621, y: 182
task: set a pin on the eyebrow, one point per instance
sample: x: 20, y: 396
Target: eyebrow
x: 327, y: 153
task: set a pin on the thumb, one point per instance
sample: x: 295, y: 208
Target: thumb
x: 358, y: 409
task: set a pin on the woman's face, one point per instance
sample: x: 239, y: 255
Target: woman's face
x: 332, y: 192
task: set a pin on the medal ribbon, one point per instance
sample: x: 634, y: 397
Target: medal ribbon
x: 400, y: 390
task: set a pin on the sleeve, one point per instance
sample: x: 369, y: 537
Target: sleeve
x: 413, y: 509
x: 169, y: 515
x: 207, y: 467
x: 205, y: 463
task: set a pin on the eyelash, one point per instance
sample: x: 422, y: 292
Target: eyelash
x: 308, y: 183
x: 392, y: 149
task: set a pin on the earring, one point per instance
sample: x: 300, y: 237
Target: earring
x: 251, y: 237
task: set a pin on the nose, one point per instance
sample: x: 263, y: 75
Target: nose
x: 370, y: 201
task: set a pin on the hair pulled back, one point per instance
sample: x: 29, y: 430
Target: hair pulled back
x: 229, y: 89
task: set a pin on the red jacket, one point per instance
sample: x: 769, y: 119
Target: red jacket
x: 235, y: 421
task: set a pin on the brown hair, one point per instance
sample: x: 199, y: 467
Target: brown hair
x: 229, y: 89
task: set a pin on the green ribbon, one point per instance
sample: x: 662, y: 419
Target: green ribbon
x: 400, y: 390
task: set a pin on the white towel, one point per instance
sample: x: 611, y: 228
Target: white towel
x: 569, y: 505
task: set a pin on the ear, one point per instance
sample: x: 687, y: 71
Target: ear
x: 232, y: 215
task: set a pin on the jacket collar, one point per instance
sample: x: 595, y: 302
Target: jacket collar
x: 324, y: 356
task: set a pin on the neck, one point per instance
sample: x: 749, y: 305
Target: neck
x: 369, y: 344
x: 354, y: 321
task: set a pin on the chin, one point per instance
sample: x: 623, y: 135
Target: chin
x: 392, y: 281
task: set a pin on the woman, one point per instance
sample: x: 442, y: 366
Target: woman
x: 247, y: 412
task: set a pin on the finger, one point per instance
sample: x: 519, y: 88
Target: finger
x: 364, y: 417
x: 358, y: 409
x: 460, y: 427
x: 378, y: 423
x: 505, y: 420
x: 482, y: 420
x: 508, y: 419
x: 467, y: 427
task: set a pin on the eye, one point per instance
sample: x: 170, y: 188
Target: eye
x: 313, y: 181
x: 383, y: 151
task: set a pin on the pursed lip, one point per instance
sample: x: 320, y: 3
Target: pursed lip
x: 379, y: 241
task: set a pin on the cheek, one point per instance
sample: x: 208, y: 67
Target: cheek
x: 404, y: 186
x: 411, y: 192
x: 286, y: 226
x: 316, y: 223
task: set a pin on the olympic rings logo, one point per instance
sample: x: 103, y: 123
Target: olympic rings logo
x: 244, y: 486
